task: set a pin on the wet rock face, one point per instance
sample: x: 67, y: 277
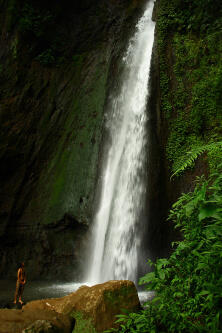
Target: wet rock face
x: 56, y: 69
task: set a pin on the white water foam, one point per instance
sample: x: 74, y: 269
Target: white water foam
x: 46, y: 290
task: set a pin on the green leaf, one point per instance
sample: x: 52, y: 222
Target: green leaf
x: 207, y: 210
x: 204, y: 292
x: 161, y: 274
x: 162, y: 263
x: 147, y: 278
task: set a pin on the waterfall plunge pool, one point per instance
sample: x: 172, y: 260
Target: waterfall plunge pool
x: 36, y: 290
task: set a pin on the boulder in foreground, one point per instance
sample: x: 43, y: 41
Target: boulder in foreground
x: 94, y: 309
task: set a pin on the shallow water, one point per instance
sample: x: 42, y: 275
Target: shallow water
x: 44, y: 289
x: 36, y: 290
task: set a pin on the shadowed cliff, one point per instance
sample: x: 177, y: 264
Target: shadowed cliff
x: 56, y: 66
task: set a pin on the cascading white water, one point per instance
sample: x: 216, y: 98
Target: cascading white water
x: 116, y: 239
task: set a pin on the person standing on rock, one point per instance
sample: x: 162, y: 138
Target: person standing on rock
x: 20, y: 284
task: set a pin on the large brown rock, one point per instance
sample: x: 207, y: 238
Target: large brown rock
x: 94, y: 309
x: 15, y: 321
x: 98, y: 304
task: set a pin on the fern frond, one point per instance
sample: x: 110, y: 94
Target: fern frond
x: 192, y: 155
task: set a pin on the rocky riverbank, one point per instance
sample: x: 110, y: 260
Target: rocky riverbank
x: 89, y: 309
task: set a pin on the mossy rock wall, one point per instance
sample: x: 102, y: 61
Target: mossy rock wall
x: 185, y: 89
x: 56, y: 67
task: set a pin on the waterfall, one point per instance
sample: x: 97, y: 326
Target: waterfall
x: 116, y: 227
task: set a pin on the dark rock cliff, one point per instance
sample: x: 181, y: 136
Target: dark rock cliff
x: 56, y: 64
x: 185, y: 103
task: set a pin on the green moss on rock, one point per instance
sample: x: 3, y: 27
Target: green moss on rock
x: 190, y: 77
x: 112, y: 298
x: 82, y: 324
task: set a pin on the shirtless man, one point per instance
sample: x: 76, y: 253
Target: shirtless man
x: 20, y: 284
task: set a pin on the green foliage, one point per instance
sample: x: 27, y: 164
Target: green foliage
x: 35, y: 23
x: 197, y: 16
x: 190, y: 47
x: 82, y: 325
x: 192, y: 155
x: 133, y: 322
x: 188, y: 284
